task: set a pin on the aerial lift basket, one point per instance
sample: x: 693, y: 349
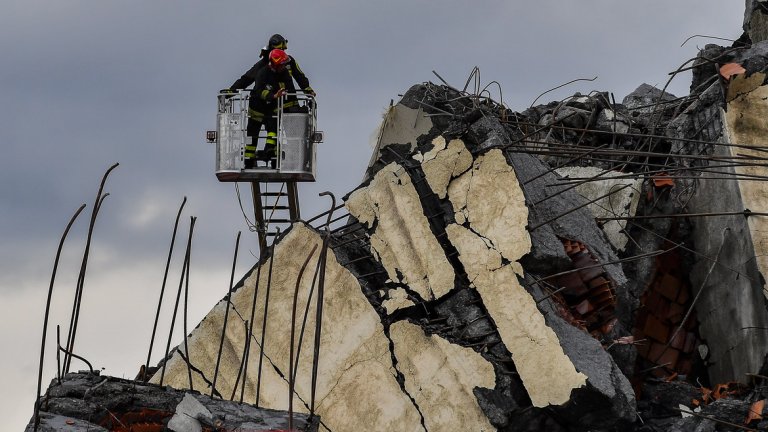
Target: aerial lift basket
x: 297, y: 138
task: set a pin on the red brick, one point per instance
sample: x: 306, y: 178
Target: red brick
x: 657, y: 305
x: 598, y: 281
x: 670, y: 291
x: 675, y: 313
x: 655, y: 329
x: 678, y: 340
x: 662, y: 354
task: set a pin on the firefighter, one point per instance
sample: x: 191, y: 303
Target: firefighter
x: 272, y: 82
x: 255, y: 117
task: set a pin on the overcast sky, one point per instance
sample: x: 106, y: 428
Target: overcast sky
x: 86, y: 84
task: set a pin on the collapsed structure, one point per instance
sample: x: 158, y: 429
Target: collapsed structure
x: 580, y: 265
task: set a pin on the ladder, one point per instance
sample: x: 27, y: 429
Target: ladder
x: 276, y: 206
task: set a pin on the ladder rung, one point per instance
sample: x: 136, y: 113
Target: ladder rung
x: 273, y: 194
x: 273, y: 220
x: 274, y: 207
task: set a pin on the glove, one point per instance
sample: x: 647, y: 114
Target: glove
x: 227, y: 92
x: 309, y: 91
x: 279, y: 93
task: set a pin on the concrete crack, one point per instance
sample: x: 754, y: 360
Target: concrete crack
x: 400, y: 377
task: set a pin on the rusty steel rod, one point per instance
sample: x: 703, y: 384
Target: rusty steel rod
x: 71, y: 354
x: 571, y: 187
x: 319, y: 215
x: 264, y: 322
x: 186, y: 300
x: 565, y: 149
x: 58, y: 353
x: 162, y: 288
x: 745, y: 213
x: 173, y: 318
x: 687, y: 249
x: 715, y: 419
x: 47, y: 314
x: 243, y: 360
x: 226, y: 316
x: 291, y: 372
x: 578, y: 157
x: 306, y: 315
x: 251, y: 321
x: 632, y: 258
x: 83, y: 266
x: 554, y: 218
x: 663, y: 137
x: 320, y: 300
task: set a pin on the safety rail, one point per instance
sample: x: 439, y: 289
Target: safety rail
x: 297, y: 136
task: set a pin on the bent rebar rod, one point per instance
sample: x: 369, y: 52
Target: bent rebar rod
x: 81, y: 277
x: 320, y: 298
x: 226, y: 315
x: 175, y: 311
x: 264, y: 323
x: 291, y: 372
x: 186, y: 301
x: 47, y: 312
x: 162, y: 289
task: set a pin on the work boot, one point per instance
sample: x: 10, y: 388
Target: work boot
x: 249, y: 164
x: 265, y: 155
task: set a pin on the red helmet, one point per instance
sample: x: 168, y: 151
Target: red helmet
x: 278, y: 59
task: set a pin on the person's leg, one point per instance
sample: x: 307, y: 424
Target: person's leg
x: 255, y: 119
x: 270, y: 144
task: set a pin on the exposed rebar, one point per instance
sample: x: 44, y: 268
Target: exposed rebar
x: 81, y: 277
x: 226, y: 315
x: 188, y: 261
x: 291, y: 372
x: 162, y: 289
x: 173, y: 318
x: 47, y: 313
x: 264, y: 322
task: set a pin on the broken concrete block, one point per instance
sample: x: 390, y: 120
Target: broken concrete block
x: 609, y: 121
x: 444, y: 162
x: 402, y: 238
x: 497, y: 214
x: 645, y: 98
x: 188, y: 414
x: 441, y: 378
x: 621, y: 203
x: 357, y: 388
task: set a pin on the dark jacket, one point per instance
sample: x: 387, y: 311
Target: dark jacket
x: 256, y: 73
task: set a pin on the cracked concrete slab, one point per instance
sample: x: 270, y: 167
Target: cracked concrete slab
x: 500, y: 215
x: 356, y: 387
x: 402, y: 239
x: 478, y: 257
x: 496, y: 213
x: 525, y: 334
x: 746, y: 125
x: 441, y: 378
x: 444, y: 162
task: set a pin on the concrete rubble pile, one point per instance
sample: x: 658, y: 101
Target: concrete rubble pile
x: 85, y: 401
x: 583, y: 265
